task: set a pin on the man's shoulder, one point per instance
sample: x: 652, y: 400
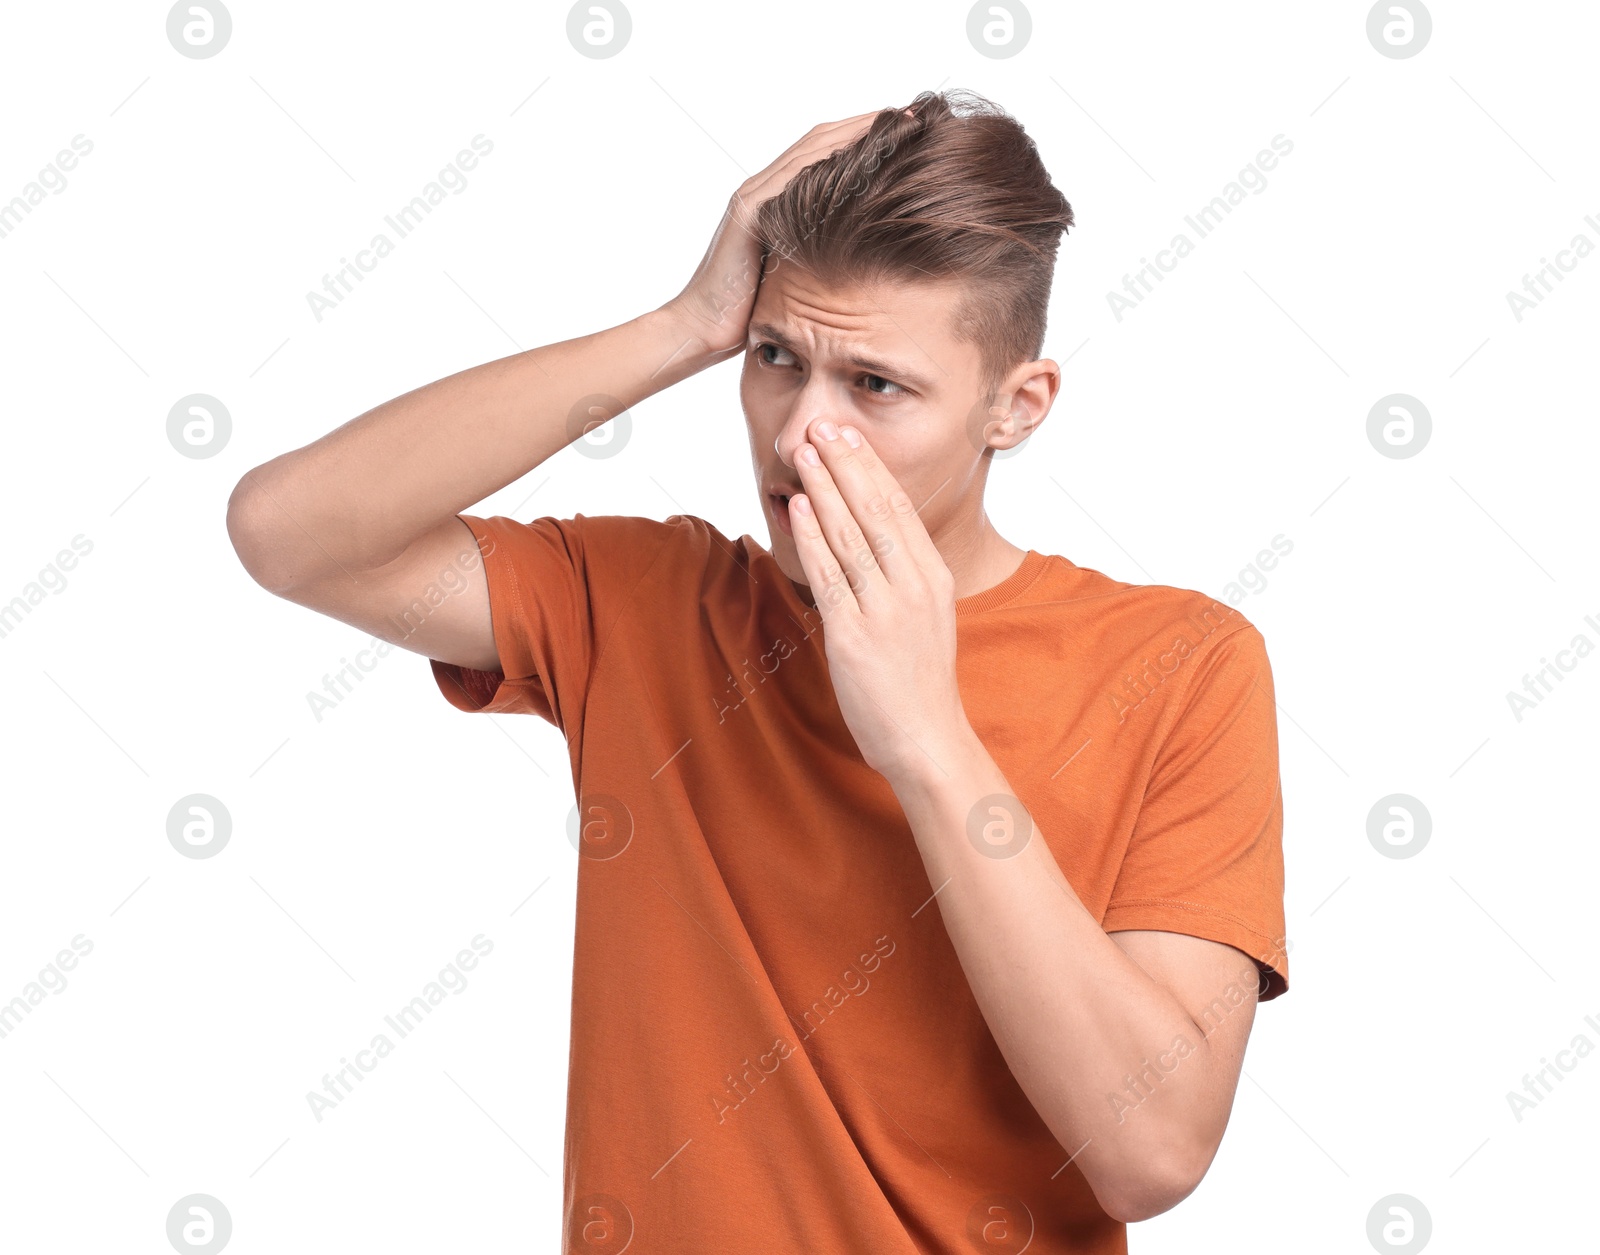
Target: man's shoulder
x: 680, y: 553
x: 1131, y: 612
x: 606, y: 535
x: 681, y: 529
x: 633, y: 527
x: 604, y: 553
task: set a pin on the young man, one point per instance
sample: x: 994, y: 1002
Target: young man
x: 928, y: 883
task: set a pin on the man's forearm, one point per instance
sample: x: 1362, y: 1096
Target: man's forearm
x: 1073, y: 1015
x: 357, y: 497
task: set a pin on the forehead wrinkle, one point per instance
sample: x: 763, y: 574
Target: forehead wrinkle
x: 910, y: 337
x: 806, y: 301
x: 865, y: 292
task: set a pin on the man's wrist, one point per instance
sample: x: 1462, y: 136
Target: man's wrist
x: 942, y: 762
x: 681, y: 344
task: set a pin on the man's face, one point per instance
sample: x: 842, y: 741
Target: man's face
x: 881, y: 359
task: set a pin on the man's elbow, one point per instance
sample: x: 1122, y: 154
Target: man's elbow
x: 1154, y: 1191
x: 254, y: 524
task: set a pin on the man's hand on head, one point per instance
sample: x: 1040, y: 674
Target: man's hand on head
x: 714, y: 307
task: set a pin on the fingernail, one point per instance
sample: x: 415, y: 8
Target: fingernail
x: 827, y: 430
x: 852, y: 437
x: 808, y: 455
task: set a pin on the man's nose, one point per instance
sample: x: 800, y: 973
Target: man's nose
x: 810, y: 405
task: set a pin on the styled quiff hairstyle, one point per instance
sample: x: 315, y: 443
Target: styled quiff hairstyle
x: 954, y: 189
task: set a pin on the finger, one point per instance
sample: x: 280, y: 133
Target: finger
x: 775, y: 178
x: 912, y: 545
x: 830, y: 589
x: 865, y: 487
x: 854, y: 123
x: 838, y: 135
x: 778, y: 176
x: 852, y: 537
x: 810, y: 148
x: 821, y: 136
x: 781, y: 178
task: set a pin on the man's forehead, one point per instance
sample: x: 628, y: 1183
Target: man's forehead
x: 900, y: 359
x: 904, y: 329
x: 850, y: 305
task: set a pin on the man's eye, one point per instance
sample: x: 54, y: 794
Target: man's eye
x: 875, y: 384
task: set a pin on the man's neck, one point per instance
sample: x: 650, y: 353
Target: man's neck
x: 981, y: 562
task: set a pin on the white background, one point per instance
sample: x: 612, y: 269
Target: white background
x: 1231, y: 406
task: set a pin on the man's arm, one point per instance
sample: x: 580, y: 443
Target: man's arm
x: 359, y: 523
x: 1118, y: 1044
x: 1079, y: 1013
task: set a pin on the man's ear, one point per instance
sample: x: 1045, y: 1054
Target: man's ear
x: 1021, y: 404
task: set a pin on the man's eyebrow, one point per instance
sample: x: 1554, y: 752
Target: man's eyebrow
x: 873, y: 366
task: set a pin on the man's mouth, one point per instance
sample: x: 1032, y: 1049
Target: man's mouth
x: 780, y: 511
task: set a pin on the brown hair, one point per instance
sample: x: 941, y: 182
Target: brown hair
x: 953, y: 190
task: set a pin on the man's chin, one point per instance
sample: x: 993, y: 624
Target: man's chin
x: 783, y: 551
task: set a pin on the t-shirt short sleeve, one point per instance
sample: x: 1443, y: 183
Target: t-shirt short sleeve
x: 542, y: 613
x: 1206, y: 854
x: 557, y: 588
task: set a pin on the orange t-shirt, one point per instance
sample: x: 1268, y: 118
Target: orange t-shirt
x: 774, y: 1046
